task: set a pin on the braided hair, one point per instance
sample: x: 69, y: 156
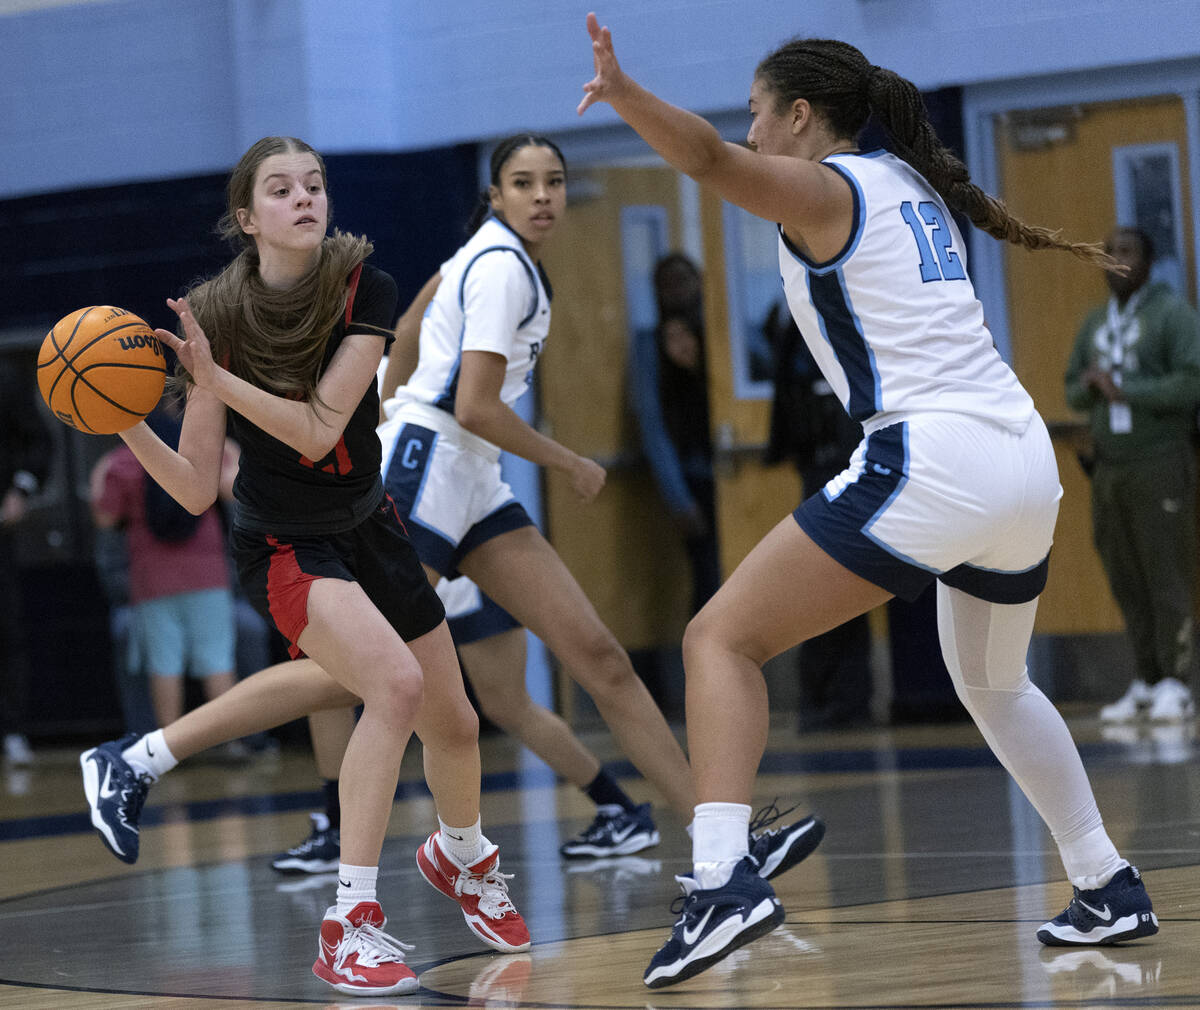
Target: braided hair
x: 846, y: 89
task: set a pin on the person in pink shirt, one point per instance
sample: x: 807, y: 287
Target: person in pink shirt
x: 179, y: 588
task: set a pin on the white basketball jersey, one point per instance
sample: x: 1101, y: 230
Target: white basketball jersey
x: 892, y: 320
x: 492, y: 297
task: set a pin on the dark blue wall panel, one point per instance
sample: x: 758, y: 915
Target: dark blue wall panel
x: 135, y: 245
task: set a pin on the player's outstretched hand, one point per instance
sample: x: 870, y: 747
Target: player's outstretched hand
x: 194, y: 351
x: 609, y: 79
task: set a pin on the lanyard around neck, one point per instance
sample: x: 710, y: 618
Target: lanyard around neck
x: 1121, y: 327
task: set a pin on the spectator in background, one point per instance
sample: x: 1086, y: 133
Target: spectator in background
x: 668, y: 382
x: 179, y: 589
x: 1135, y: 369
x: 25, y: 450
x: 810, y: 429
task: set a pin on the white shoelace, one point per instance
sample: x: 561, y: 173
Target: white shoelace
x: 494, y: 901
x: 372, y: 945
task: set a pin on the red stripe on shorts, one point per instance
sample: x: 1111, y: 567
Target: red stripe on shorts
x: 287, y: 594
x: 396, y: 513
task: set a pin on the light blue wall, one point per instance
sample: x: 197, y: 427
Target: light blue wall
x: 139, y: 89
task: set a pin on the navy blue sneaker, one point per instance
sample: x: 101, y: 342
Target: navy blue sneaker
x: 777, y: 850
x: 713, y: 924
x: 614, y: 832
x: 320, y: 852
x: 1120, y: 910
x: 115, y: 793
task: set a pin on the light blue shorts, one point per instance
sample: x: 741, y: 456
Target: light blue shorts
x: 187, y: 632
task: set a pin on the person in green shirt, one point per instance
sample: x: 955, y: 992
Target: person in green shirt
x: 1135, y: 370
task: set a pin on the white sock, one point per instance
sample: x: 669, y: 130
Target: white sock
x: 150, y: 755
x: 355, y: 884
x: 464, y: 844
x: 721, y: 839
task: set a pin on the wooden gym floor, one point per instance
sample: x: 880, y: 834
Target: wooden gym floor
x: 926, y: 892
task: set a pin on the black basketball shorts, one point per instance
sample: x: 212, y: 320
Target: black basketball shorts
x: 276, y: 573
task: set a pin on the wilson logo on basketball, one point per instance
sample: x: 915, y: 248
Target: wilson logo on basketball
x: 101, y: 369
x: 140, y: 340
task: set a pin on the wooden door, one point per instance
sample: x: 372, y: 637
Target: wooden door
x: 622, y: 548
x: 1067, y: 182
x: 751, y: 498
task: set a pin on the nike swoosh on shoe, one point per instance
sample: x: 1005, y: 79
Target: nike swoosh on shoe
x: 1104, y: 915
x: 690, y: 937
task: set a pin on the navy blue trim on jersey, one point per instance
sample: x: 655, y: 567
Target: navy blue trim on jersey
x: 481, y: 622
x: 843, y: 331
x: 858, y: 218
x: 450, y: 392
x: 840, y: 526
x: 999, y: 587
x: 545, y: 281
x: 462, y: 286
x: 493, y: 216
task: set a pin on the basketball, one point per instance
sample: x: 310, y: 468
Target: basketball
x: 101, y: 369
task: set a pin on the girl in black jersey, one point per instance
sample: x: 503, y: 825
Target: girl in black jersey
x: 285, y: 343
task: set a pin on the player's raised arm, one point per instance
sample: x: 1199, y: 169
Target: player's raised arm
x: 803, y: 195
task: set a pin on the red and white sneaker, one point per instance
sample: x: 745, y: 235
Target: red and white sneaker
x: 357, y: 957
x: 481, y: 893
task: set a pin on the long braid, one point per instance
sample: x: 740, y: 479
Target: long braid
x: 898, y: 106
x: 846, y: 89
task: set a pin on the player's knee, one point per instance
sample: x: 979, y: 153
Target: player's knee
x: 396, y: 693
x: 461, y: 730
x: 981, y: 677
x: 706, y: 636
x: 602, y: 666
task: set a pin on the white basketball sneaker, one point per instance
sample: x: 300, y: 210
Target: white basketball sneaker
x: 1171, y: 701
x: 1130, y: 706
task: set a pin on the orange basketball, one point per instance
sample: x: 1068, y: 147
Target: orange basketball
x: 101, y: 369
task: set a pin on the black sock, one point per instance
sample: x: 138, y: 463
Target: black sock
x: 333, y: 805
x: 604, y: 792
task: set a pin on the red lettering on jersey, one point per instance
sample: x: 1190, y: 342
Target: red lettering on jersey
x: 342, y: 464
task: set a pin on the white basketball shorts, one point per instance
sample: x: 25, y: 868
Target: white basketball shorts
x: 943, y: 496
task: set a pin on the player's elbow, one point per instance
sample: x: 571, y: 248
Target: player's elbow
x: 199, y: 505
x: 320, y: 444
x: 470, y: 415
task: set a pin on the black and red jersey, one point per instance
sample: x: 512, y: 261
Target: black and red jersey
x: 279, y: 490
